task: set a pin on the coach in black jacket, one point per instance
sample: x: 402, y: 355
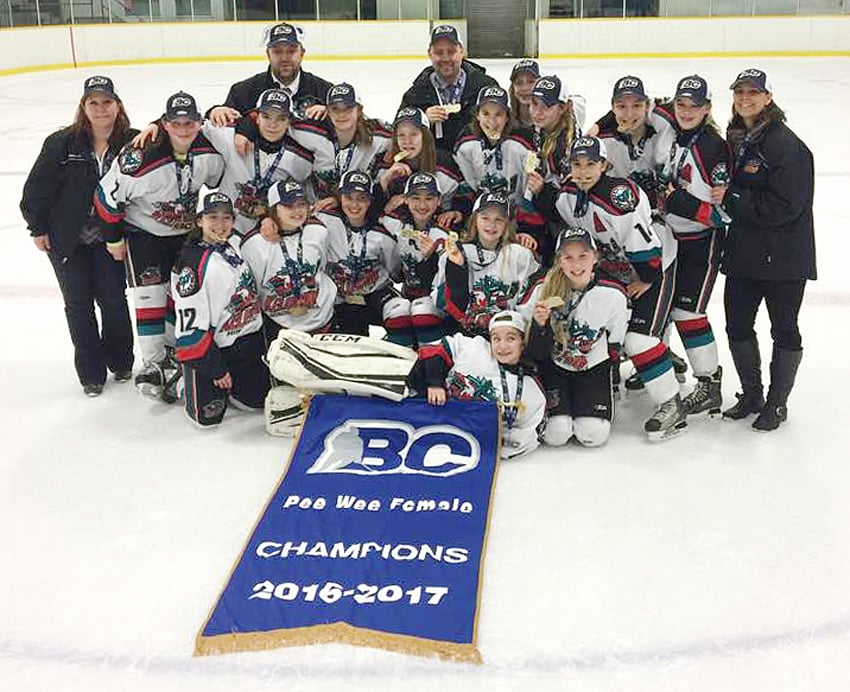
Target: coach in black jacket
x: 450, y: 80
x: 57, y: 206
x: 769, y: 251
x: 285, y: 52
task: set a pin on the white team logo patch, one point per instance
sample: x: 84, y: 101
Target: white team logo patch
x: 98, y: 81
x: 545, y: 84
x: 358, y: 179
x: 292, y: 186
x: 494, y: 92
x: 181, y: 102
x: 277, y: 96
x: 623, y: 197
x: 691, y: 83
x: 421, y: 179
x: 628, y: 83
x: 584, y: 142
x: 187, y: 283
x: 378, y: 447
x: 750, y: 73
x: 340, y: 90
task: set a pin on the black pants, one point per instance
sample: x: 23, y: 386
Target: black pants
x: 742, y: 298
x: 90, y: 276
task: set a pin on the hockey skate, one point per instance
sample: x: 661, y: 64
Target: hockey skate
x: 706, y: 397
x: 668, y: 421
x: 680, y: 367
x: 161, y: 381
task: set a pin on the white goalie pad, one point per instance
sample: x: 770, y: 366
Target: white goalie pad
x: 284, y: 411
x: 344, y: 363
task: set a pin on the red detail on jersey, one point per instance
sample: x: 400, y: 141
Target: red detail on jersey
x: 196, y: 351
x: 704, y: 213
x: 687, y: 172
x: 435, y: 351
x: 104, y: 213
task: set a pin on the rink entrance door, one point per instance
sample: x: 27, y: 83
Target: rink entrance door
x: 496, y: 28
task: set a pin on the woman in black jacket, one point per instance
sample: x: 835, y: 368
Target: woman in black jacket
x: 769, y: 251
x: 57, y: 206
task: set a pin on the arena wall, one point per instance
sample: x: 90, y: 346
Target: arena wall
x: 26, y: 49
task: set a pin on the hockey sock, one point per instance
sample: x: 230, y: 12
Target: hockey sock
x: 151, y: 309
x: 698, y: 338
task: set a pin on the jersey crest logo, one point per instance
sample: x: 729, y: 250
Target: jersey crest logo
x: 720, y: 174
x: 623, y: 197
x: 131, y: 160
x: 187, y: 282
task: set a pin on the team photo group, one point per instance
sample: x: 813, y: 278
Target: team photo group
x: 505, y: 242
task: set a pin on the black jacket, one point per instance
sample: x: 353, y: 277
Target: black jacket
x: 58, y: 193
x: 423, y: 95
x: 243, y: 95
x: 771, y: 235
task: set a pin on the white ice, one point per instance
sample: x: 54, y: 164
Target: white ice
x: 716, y: 561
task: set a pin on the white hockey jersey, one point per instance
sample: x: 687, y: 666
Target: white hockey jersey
x: 591, y: 324
x: 216, y: 301
x: 151, y: 190
x: 616, y: 211
x: 642, y: 161
x: 494, y: 167
x: 475, y: 374
x: 488, y: 282
x: 294, y: 289
x: 447, y: 173
x: 247, y: 178
x: 323, y: 161
x: 694, y: 163
x: 417, y: 273
x: 360, y: 261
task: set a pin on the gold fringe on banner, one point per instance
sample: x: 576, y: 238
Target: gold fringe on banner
x: 339, y: 632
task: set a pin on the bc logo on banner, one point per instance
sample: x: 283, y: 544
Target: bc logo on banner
x: 374, y: 536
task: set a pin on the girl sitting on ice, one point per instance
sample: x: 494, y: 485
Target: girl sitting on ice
x: 465, y: 367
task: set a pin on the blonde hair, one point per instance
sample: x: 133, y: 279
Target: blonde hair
x: 567, y: 124
x: 556, y: 283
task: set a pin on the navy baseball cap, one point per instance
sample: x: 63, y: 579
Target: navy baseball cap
x: 276, y: 99
x: 181, y: 105
x: 411, y: 114
x: 217, y: 201
x: 284, y: 33
x: 286, y: 192
x: 344, y: 94
x: 526, y: 65
x: 629, y: 86
x: 574, y: 234
x: 355, y: 181
x: 493, y: 94
x: 492, y: 199
x: 551, y: 90
x: 99, y: 84
x: 591, y: 147
x: 444, y: 31
x: 695, y: 88
x: 754, y: 77
x: 423, y: 182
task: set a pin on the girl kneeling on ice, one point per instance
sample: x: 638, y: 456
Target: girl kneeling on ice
x: 219, y: 324
x: 580, y: 321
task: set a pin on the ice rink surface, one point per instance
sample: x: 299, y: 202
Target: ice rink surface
x: 718, y: 561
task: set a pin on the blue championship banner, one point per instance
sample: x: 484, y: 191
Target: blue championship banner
x: 374, y: 536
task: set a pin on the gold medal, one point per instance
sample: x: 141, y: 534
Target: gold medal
x: 401, y: 156
x: 553, y: 302
x: 531, y: 162
x: 355, y: 299
x: 408, y: 232
x: 298, y: 311
x: 451, y: 108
